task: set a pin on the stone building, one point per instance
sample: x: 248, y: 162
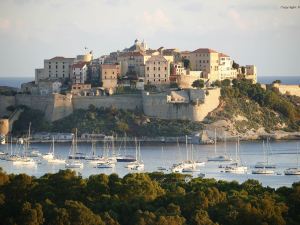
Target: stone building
x: 109, y: 76
x: 157, y: 70
x: 56, y: 68
x: 205, y: 60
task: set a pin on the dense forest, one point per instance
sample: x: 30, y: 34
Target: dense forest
x: 140, y: 198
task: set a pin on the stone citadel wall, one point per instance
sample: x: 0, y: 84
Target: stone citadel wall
x: 155, y: 105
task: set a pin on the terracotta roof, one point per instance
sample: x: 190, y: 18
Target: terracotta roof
x: 125, y: 54
x: 223, y: 55
x: 110, y: 66
x: 60, y: 58
x: 185, y: 52
x: 204, y: 50
x: 156, y: 58
x: 79, y: 65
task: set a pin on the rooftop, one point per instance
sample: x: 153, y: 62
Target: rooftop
x: 204, y: 50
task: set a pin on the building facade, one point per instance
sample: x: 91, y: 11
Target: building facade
x: 58, y: 68
x: 79, y: 72
x: 109, y: 76
x: 157, y: 71
x: 225, y: 67
x: 205, y: 60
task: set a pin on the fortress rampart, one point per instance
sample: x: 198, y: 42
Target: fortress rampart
x: 155, y: 105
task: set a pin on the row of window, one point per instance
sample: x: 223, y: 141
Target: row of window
x: 157, y: 80
x: 154, y: 75
x: 56, y: 66
x: 154, y: 68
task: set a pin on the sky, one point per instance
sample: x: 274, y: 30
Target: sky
x: 260, y: 32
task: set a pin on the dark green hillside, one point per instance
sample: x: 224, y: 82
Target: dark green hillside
x: 261, y: 108
x: 141, y: 199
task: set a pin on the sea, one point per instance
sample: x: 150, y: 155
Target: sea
x: 281, y: 153
x: 17, y: 81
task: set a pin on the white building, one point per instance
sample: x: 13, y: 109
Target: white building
x: 79, y: 73
x: 225, y: 68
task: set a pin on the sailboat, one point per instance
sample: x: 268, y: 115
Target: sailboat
x: 264, y: 169
x: 55, y: 160
x: 93, y: 158
x: 218, y: 158
x: 161, y: 168
x: 295, y: 170
x: 189, y: 165
x: 236, y: 167
x: 23, y: 159
x: 125, y: 157
x: 107, y: 162
x: 31, y: 152
x: 138, y: 164
x: 73, y: 163
x: 265, y: 163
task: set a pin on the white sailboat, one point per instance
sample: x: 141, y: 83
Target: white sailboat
x: 94, y: 158
x: 23, y: 159
x: 125, y: 157
x: 295, y: 170
x: 107, y: 161
x: 265, y: 163
x: 264, y: 168
x: 162, y: 168
x: 218, y: 158
x: 236, y: 167
x: 31, y: 152
x: 138, y: 164
x: 73, y: 163
x: 54, y: 159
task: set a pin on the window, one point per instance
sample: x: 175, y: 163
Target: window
x: 158, y: 79
x: 165, y: 80
x: 165, y: 68
x: 154, y: 68
x: 63, y: 66
x: 158, y: 75
x: 148, y: 68
x: 49, y: 66
x: 154, y: 75
x: 56, y: 66
x: 158, y: 68
x: 113, y: 72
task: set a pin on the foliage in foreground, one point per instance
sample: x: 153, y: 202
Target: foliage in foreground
x: 154, y: 198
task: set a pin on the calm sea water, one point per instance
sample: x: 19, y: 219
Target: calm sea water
x: 283, y: 154
x: 284, y: 79
x: 14, y: 81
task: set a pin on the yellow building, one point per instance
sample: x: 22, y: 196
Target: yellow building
x: 205, y: 60
x: 157, y: 71
x: 109, y: 76
x: 133, y: 62
x: 225, y: 68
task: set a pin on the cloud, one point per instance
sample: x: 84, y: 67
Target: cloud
x: 5, y: 24
x: 236, y: 18
x: 156, y: 20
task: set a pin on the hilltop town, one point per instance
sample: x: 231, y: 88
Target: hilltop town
x: 161, y: 83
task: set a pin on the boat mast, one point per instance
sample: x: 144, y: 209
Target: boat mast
x: 186, y: 147
x: 215, y: 141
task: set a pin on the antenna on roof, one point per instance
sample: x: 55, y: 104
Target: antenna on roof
x: 85, y: 48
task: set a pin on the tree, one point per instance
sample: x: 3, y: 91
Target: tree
x: 186, y: 63
x: 276, y: 82
x: 198, y: 84
x: 235, y: 65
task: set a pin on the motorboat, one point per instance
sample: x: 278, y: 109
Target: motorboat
x: 263, y: 171
x: 264, y: 165
x: 126, y: 158
x: 48, y: 156
x: 106, y: 165
x: 219, y: 158
x: 24, y: 161
x: 236, y: 168
x: 73, y: 164
x: 292, y: 171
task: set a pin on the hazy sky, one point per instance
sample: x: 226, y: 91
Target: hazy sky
x: 250, y: 31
